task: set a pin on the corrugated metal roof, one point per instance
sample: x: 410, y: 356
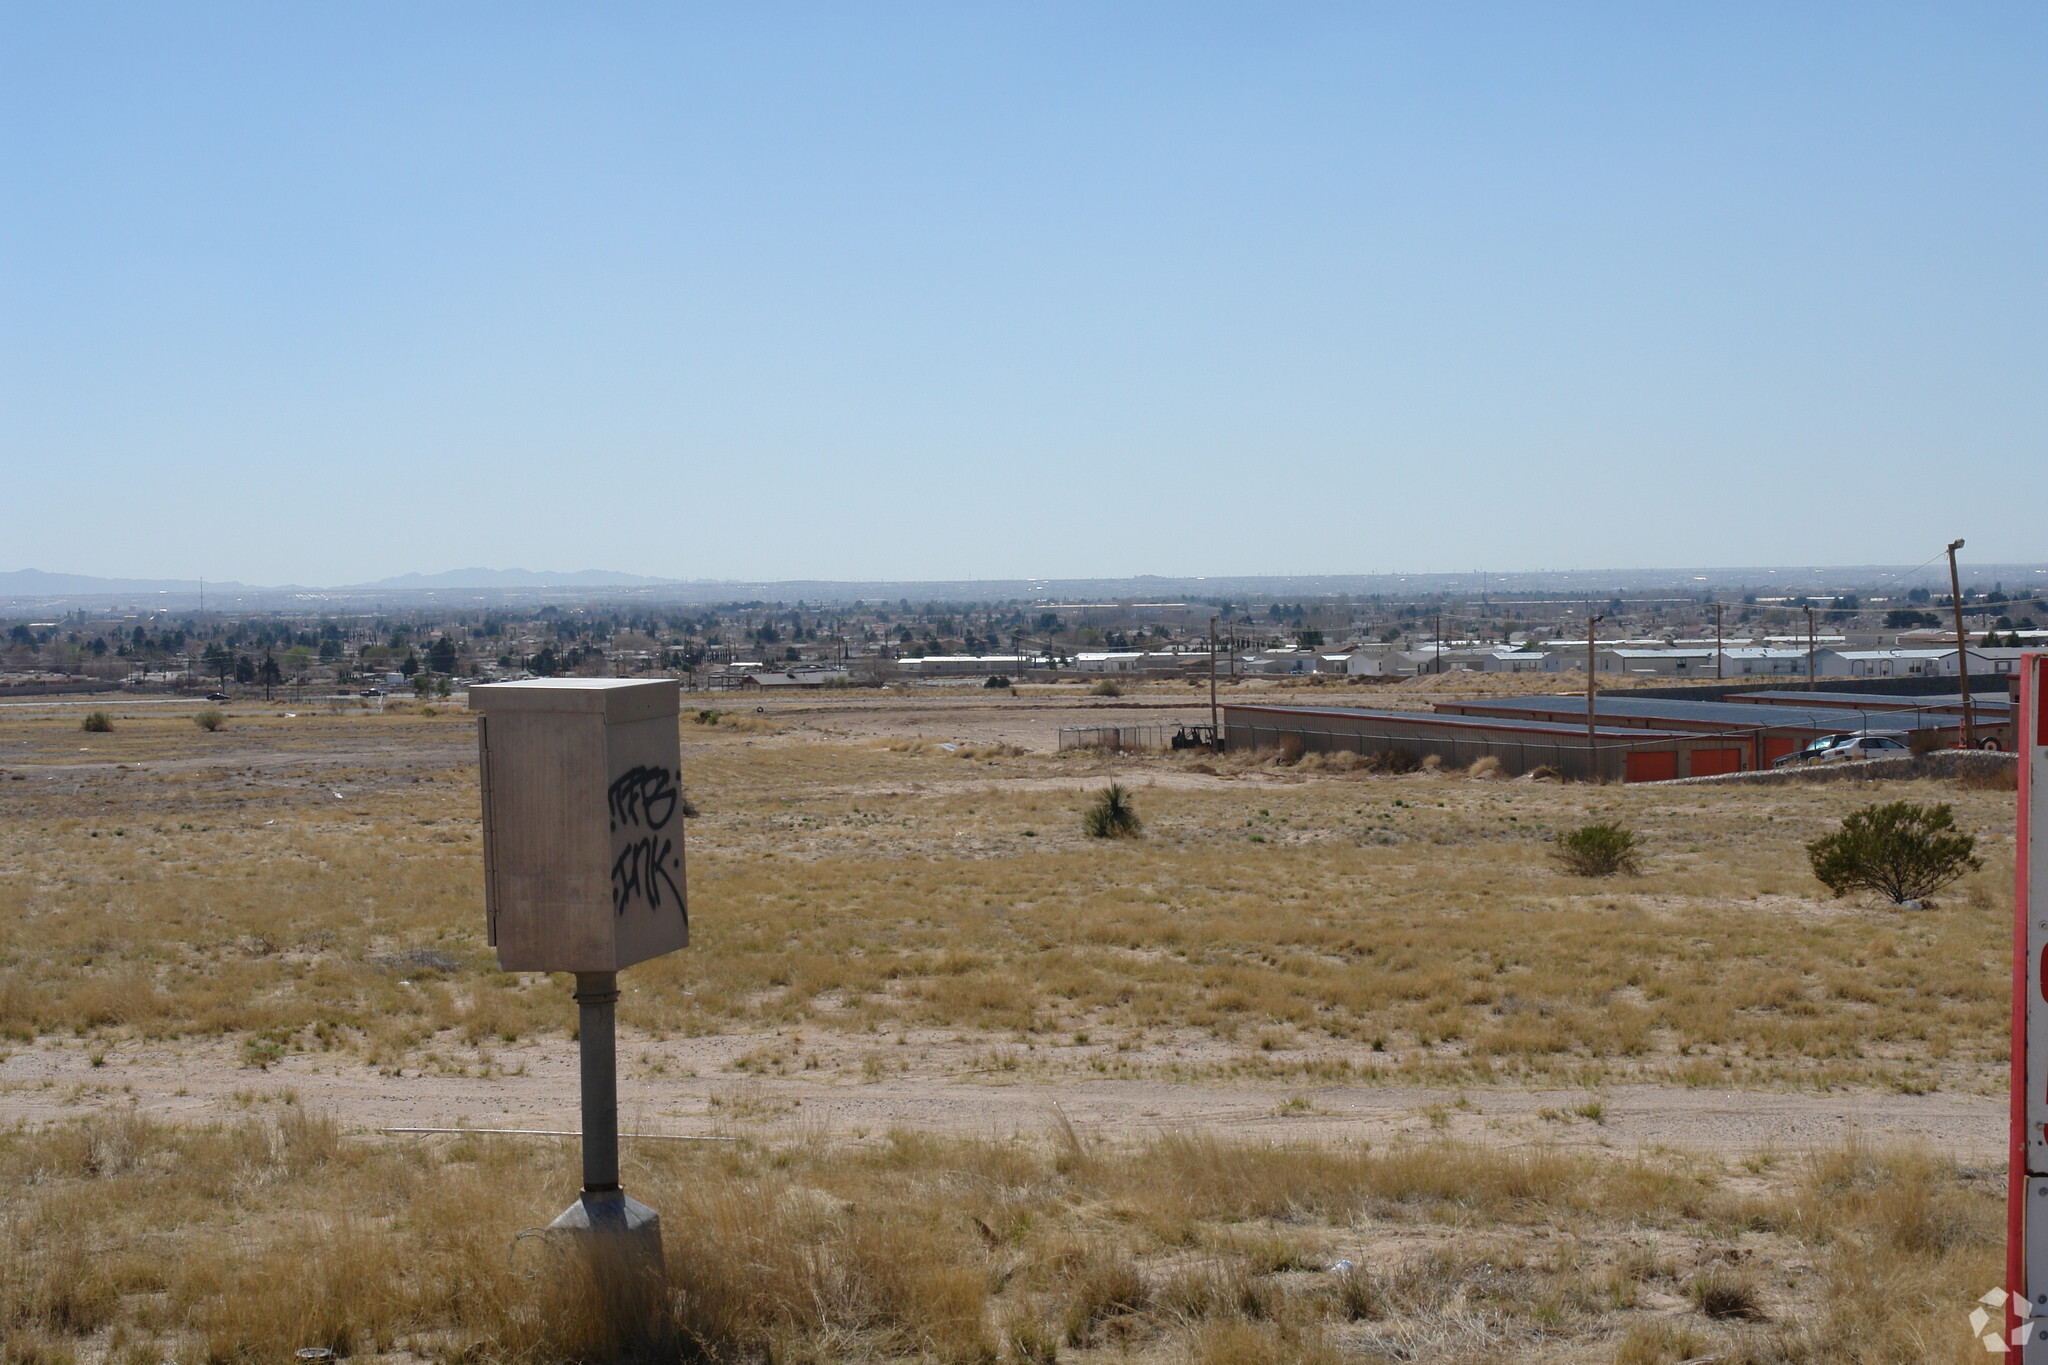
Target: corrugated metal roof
x: 1715, y: 715
x: 1437, y: 718
x: 1865, y: 701
x: 1661, y: 653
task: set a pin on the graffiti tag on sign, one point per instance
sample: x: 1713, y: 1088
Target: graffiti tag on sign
x: 644, y: 799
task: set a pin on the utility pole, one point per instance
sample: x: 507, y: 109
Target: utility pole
x: 1592, y: 738
x: 1955, y: 599
x: 1438, y: 628
x: 1809, y: 649
x: 1215, y: 735
x: 1717, y: 641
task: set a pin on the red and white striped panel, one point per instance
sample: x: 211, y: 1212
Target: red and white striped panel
x: 2027, y: 1221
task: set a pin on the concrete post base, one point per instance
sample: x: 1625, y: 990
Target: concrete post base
x: 621, y: 1237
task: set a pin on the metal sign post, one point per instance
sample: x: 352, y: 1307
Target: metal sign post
x: 2026, y: 1257
x: 583, y: 873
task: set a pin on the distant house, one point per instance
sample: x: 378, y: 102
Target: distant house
x: 1770, y: 661
x: 968, y: 665
x: 1515, y: 661
x: 1118, y: 661
x: 1351, y: 664
x: 1687, y: 661
x: 1986, y: 659
x: 1670, y: 663
x: 795, y: 677
x: 1471, y: 659
x: 1882, y: 663
x: 1920, y: 663
x: 1278, y: 661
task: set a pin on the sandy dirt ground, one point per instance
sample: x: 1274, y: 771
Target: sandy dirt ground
x: 533, y: 1086
x: 690, y: 1086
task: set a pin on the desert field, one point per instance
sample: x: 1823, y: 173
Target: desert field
x: 980, y: 1087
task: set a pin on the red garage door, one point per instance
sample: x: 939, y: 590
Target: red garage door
x: 1651, y: 767
x: 1776, y: 748
x: 1710, y: 762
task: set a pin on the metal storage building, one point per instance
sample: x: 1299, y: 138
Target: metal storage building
x: 1769, y: 736
x: 1631, y: 754
x: 1993, y: 710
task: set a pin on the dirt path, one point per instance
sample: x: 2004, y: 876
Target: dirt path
x: 196, y: 1083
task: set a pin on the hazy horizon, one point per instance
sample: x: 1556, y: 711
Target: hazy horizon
x: 20, y: 587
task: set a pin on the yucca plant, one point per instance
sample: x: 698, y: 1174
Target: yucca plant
x: 1112, y: 816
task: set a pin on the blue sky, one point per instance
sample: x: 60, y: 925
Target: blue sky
x: 319, y: 293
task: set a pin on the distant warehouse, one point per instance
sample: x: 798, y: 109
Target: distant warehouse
x: 1617, y: 754
x: 1635, y: 739
x: 1766, y: 733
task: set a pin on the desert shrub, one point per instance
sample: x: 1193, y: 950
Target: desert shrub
x: 1725, y: 1294
x: 1543, y: 772
x: 1597, y: 850
x: 1907, y: 852
x: 1488, y: 766
x: 1106, y: 688
x: 707, y: 716
x: 997, y: 680
x: 98, y: 722
x: 209, y: 720
x: 1112, y: 816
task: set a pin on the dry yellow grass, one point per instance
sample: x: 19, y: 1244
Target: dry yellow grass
x: 1304, y: 920
x: 1383, y: 927
x: 138, y: 1242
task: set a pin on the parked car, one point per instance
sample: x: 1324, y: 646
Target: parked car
x: 1842, y: 748
x: 216, y: 696
x: 1811, y: 750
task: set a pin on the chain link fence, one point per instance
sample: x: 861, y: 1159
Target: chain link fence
x: 1137, y: 738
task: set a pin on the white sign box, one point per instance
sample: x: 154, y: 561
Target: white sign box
x: 583, y: 822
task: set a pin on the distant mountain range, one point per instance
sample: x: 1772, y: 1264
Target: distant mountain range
x: 37, y: 583
x: 39, y: 591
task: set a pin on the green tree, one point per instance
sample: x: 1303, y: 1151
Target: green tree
x: 1905, y: 851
